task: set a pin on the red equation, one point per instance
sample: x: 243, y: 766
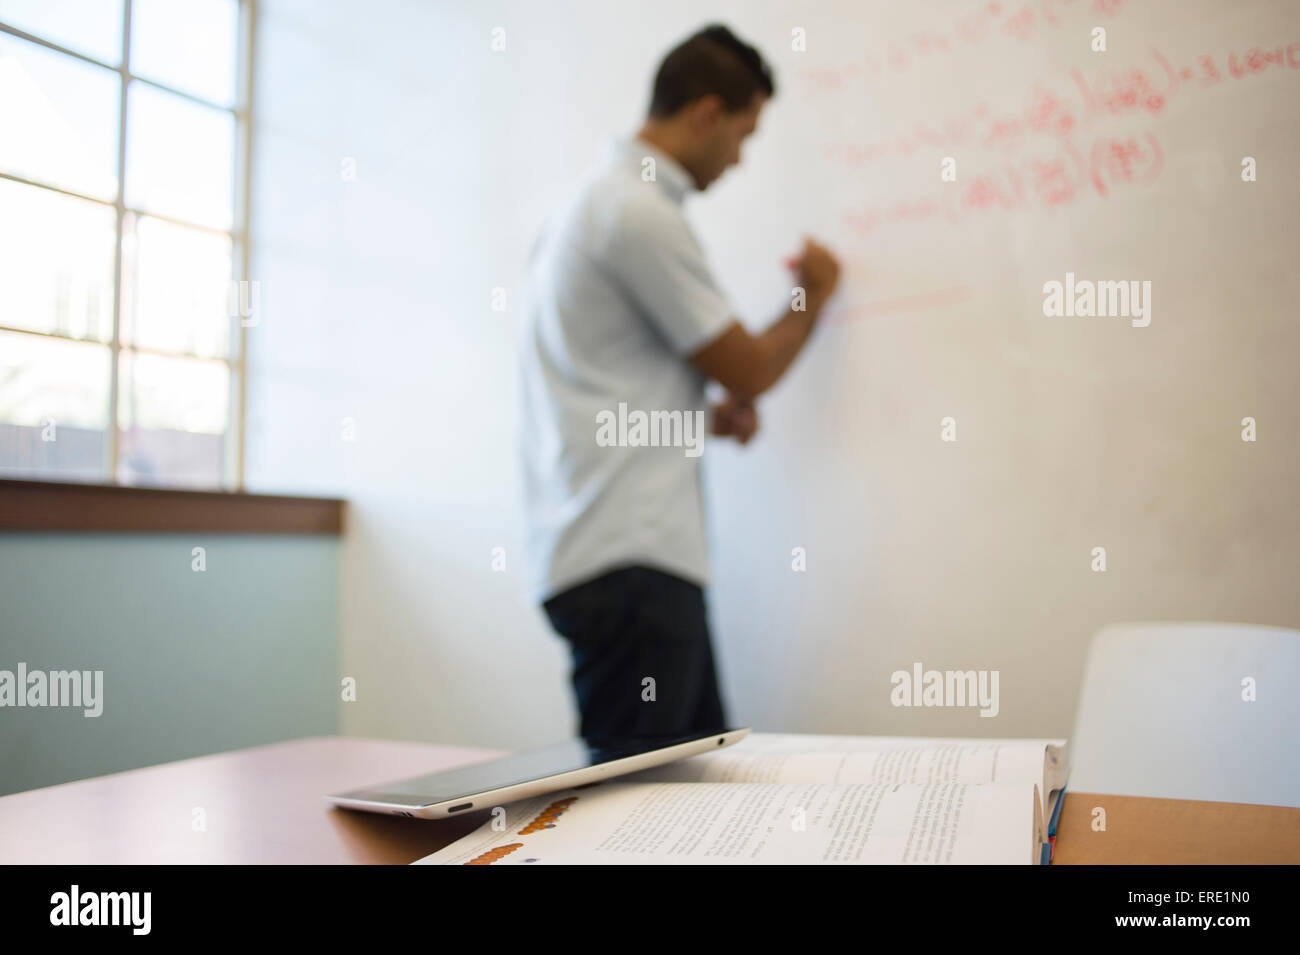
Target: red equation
x: 1057, y: 111
x: 1020, y: 22
x: 1045, y: 181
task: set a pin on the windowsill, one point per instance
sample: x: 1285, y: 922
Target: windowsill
x: 50, y: 506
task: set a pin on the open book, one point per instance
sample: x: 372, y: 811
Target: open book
x: 779, y: 798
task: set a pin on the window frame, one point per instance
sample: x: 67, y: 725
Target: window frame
x: 232, y: 476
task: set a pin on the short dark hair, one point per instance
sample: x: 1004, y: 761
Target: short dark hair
x: 713, y: 61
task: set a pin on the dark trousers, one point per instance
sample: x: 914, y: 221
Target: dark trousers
x: 628, y: 626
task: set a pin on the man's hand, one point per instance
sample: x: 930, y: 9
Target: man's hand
x: 816, y: 270
x: 735, y: 418
x: 747, y: 365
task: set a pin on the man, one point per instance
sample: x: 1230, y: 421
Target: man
x: 624, y: 325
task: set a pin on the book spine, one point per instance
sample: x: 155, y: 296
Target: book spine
x: 1056, y: 813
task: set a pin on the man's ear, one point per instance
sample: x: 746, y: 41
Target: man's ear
x: 705, y: 113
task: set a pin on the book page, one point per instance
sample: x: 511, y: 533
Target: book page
x: 791, y: 758
x: 759, y: 823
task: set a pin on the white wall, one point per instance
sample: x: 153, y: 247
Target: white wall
x: 376, y: 307
x: 376, y: 304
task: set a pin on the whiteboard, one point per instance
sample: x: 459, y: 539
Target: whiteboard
x: 1071, y: 433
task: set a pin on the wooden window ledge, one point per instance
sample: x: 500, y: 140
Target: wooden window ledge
x: 50, y: 506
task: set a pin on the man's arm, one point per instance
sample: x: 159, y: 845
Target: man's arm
x: 746, y: 364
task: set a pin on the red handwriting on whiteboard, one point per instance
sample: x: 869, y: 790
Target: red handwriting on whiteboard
x: 1057, y: 112
x: 1051, y: 181
x: 1048, y: 114
x: 1045, y: 181
x: 1116, y: 93
x: 1256, y: 60
x: 901, y: 304
x: 1019, y: 22
x: 1122, y: 162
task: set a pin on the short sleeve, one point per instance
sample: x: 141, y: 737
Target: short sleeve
x: 655, y: 256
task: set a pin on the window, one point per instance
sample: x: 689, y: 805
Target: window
x: 124, y: 301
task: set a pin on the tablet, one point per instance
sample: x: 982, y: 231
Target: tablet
x: 497, y: 781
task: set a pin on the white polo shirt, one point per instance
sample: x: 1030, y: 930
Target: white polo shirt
x: 617, y: 295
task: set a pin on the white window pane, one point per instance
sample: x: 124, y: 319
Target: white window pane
x: 53, y: 407
x: 178, y: 287
x: 172, y: 415
x: 179, y: 157
x: 92, y: 27
x: 58, y: 119
x: 188, y: 46
x: 56, y: 263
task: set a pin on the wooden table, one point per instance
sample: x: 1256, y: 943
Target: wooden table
x: 265, y: 805
x: 1142, y: 831
x: 262, y: 805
